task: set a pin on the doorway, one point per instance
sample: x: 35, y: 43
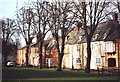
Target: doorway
x: 48, y: 62
x: 111, y: 62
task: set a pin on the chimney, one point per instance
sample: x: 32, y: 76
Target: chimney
x: 114, y: 15
x: 37, y: 39
x: 76, y: 29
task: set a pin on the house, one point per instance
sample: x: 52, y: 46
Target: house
x: 104, y: 46
x: 72, y: 56
x: 20, y: 57
x: 49, y: 56
x: 77, y: 55
x: 118, y: 52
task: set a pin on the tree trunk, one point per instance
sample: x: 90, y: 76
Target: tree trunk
x: 59, y: 68
x: 87, y: 70
x: 40, y: 56
x: 27, y: 51
x: 61, y: 54
x: 5, y: 60
x: 4, y: 52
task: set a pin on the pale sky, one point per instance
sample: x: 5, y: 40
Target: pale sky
x: 8, y: 7
x: 8, y: 10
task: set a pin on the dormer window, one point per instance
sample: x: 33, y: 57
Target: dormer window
x: 95, y: 37
x: 80, y: 38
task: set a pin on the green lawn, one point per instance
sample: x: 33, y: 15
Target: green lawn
x: 20, y: 74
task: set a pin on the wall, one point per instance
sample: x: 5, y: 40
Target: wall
x: 98, y: 53
x: 53, y: 55
x: 112, y: 54
x: 72, y: 54
x: 99, y: 57
x: 20, y: 57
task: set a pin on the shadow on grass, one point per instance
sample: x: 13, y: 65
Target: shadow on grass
x: 35, y: 73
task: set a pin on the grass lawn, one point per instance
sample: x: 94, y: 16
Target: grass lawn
x: 20, y: 74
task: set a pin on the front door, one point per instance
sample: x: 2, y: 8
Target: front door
x: 49, y: 62
x: 111, y: 62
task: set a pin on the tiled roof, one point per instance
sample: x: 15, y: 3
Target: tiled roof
x: 106, y: 31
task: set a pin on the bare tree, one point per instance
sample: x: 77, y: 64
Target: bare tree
x: 8, y: 29
x: 91, y: 14
x: 41, y: 21
x: 61, y: 22
x: 118, y: 5
x: 25, y: 22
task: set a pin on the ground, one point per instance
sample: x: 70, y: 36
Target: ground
x: 19, y: 74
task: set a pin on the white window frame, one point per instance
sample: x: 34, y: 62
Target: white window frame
x: 98, y: 60
x: 78, y: 59
x: 109, y: 46
x: 51, y: 60
x: 78, y: 48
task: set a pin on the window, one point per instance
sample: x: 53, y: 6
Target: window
x: 51, y: 52
x: 66, y: 49
x: 109, y: 47
x: 35, y: 57
x: 49, y: 60
x: 78, y: 60
x: 80, y: 38
x: 21, y: 61
x: 46, y: 60
x: 95, y: 37
x: 36, y: 50
x: 98, y: 60
x: 78, y: 48
x: 47, y: 53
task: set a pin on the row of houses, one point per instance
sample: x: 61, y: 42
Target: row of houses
x: 105, y: 47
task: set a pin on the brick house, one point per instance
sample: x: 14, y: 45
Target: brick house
x: 49, y: 58
x: 20, y: 57
x: 51, y: 55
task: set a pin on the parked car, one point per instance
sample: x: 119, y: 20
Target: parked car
x: 10, y: 64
